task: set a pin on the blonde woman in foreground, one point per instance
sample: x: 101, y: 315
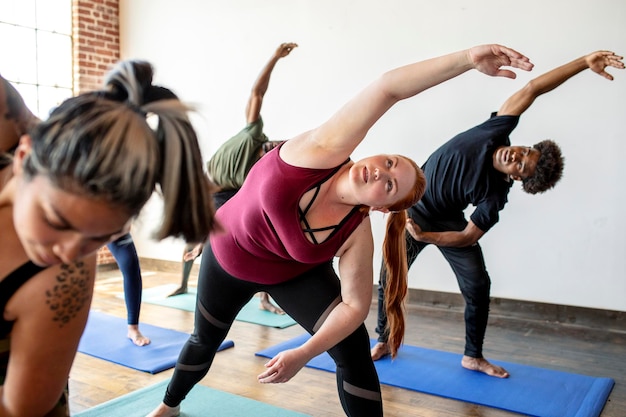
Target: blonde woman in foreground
x: 74, y: 183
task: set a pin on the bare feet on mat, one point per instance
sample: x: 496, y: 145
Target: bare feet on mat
x: 266, y: 304
x: 484, y: 366
x: 164, y: 411
x: 136, y: 337
x: 380, y: 350
x: 179, y: 291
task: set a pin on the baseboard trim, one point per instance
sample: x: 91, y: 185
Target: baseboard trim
x: 597, y: 319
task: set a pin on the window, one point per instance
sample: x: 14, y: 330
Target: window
x: 36, y: 51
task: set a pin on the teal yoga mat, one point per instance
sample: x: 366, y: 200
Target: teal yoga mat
x: 250, y: 313
x: 201, y: 402
x: 529, y: 390
x: 105, y: 338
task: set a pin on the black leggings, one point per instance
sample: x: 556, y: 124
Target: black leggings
x: 308, y: 299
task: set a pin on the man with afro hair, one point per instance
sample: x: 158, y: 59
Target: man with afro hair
x: 479, y: 167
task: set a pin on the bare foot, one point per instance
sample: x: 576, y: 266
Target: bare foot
x: 266, y: 304
x: 179, y: 291
x: 484, y: 366
x: 135, y: 335
x: 164, y: 411
x: 380, y: 350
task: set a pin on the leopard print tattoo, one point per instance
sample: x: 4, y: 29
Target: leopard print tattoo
x: 70, y: 293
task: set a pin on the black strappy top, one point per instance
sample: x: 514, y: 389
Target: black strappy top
x: 9, y: 285
x: 307, y: 228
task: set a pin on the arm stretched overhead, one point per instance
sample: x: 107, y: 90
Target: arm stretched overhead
x: 253, y: 108
x: 335, y: 140
x: 519, y: 102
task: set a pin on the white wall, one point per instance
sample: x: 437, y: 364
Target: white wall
x: 564, y: 247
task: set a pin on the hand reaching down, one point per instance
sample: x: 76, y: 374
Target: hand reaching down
x: 282, y: 367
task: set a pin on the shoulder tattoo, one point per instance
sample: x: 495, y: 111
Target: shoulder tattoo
x: 70, y: 293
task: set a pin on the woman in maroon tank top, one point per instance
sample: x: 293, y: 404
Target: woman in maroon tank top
x: 285, y: 220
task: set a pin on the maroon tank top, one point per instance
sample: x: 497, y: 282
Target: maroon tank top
x: 263, y: 240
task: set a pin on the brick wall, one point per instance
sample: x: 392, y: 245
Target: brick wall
x: 96, y: 35
x: 96, y: 47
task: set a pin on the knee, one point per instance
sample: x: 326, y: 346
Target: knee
x: 477, y: 292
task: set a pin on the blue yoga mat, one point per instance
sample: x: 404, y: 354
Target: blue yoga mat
x: 250, y: 313
x: 529, y: 390
x: 105, y: 338
x: 201, y: 402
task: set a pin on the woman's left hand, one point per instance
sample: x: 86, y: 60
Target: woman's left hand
x: 489, y: 59
x: 282, y: 367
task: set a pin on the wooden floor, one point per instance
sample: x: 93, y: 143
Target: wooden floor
x: 595, y: 352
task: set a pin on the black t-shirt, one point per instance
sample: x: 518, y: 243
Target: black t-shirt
x: 461, y: 172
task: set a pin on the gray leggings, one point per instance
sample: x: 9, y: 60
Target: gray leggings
x: 308, y: 299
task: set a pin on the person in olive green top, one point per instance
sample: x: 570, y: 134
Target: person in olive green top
x: 230, y: 164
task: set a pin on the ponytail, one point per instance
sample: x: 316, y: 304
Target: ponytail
x: 101, y: 143
x: 394, y: 258
x: 183, y: 184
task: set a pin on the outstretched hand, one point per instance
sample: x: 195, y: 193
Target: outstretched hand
x: 489, y: 59
x: 285, y: 48
x: 598, y: 61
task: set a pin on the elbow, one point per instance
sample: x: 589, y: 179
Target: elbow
x: 26, y: 411
x: 360, y: 311
x: 363, y: 313
x: 471, y: 242
x: 472, y: 239
x: 21, y: 405
x: 533, y: 89
x: 465, y: 241
x: 385, y: 87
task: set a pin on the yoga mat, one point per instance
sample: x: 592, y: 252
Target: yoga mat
x: 159, y: 296
x: 529, y: 390
x: 250, y: 313
x: 105, y: 338
x: 201, y: 402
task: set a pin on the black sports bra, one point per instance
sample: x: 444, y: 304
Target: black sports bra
x: 9, y: 285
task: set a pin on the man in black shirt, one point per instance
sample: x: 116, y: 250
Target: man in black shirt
x: 478, y: 167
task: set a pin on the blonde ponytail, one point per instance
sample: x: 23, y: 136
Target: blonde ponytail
x: 100, y: 144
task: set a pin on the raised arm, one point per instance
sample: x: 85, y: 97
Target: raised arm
x: 334, y: 141
x: 597, y: 61
x: 253, y: 108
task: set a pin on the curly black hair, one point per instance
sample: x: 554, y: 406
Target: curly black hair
x: 549, y: 168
